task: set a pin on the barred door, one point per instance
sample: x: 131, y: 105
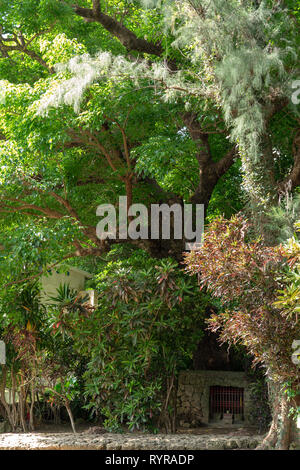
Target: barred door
x: 226, y: 400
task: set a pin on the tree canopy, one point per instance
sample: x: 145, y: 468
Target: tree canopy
x: 152, y: 112
x: 188, y: 101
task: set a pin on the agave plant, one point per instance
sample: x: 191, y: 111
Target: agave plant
x: 64, y: 303
x: 69, y: 298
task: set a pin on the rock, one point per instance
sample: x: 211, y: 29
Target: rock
x: 243, y: 443
x: 231, y: 444
x: 95, y: 430
x: 215, y: 444
x: 252, y: 444
x: 129, y: 445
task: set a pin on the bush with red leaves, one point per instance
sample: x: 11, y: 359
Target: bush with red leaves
x: 246, y: 276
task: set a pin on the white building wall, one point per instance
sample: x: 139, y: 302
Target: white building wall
x: 74, y: 277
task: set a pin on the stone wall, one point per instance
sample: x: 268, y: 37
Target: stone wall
x: 193, y: 394
x: 132, y: 441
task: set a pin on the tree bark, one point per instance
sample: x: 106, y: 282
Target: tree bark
x: 32, y: 394
x: 126, y: 37
x: 68, y: 408
x: 279, y: 436
x: 209, y: 171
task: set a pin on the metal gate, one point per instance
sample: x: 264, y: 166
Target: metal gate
x: 226, y: 400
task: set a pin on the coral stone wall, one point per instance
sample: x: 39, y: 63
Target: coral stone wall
x: 193, y: 394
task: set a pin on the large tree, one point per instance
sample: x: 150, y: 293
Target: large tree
x: 164, y: 101
x: 122, y: 139
x: 155, y: 109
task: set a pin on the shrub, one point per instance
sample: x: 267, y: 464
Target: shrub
x: 145, y: 329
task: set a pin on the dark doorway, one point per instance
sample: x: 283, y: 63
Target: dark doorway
x: 227, y: 401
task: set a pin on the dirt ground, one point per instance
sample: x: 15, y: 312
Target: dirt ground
x: 203, y: 430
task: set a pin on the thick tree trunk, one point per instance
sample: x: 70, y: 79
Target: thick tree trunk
x: 284, y: 438
x: 280, y: 436
x: 208, y: 179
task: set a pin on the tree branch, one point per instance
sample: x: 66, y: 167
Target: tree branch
x: 40, y: 273
x: 88, y: 139
x: 124, y: 138
x: 209, y: 171
x: 18, y: 43
x: 225, y: 163
x: 199, y: 136
x: 96, y: 7
x: 65, y: 203
x: 126, y: 37
x: 51, y: 214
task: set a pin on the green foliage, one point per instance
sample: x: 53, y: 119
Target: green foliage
x: 245, y: 56
x: 260, y: 413
x: 64, y: 388
x: 58, y: 152
x: 144, y: 330
x: 289, y: 297
x: 246, y: 276
x: 282, y: 219
x: 227, y: 198
x: 70, y: 89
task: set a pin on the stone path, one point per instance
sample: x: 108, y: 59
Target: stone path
x: 108, y: 441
